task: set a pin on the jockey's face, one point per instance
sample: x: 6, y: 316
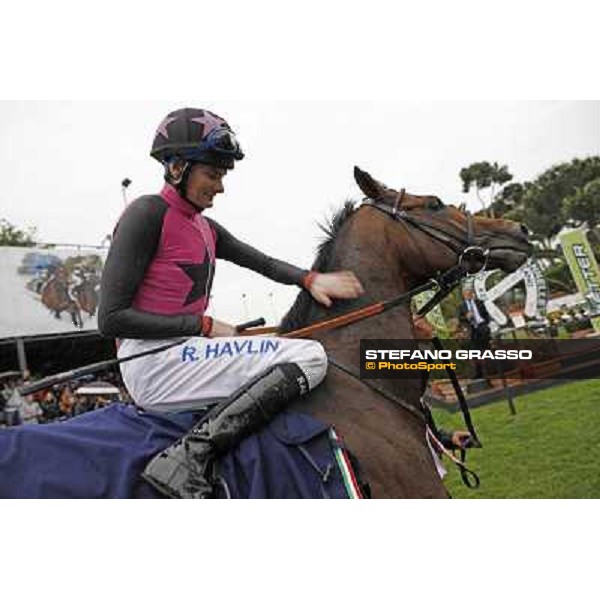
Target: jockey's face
x: 204, y: 183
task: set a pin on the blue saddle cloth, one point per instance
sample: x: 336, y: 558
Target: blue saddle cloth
x: 101, y: 454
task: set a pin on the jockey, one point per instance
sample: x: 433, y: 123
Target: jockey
x: 76, y: 282
x: 156, y: 286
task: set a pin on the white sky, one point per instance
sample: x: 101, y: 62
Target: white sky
x: 63, y: 163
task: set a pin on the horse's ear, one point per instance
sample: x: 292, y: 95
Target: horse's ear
x: 370, y: 187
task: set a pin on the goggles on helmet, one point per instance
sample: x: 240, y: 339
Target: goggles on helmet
x: 221, y: 140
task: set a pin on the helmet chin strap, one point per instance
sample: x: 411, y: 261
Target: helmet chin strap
x: 179, y: 183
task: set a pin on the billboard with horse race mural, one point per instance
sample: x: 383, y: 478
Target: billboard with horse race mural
x: 49, y: 289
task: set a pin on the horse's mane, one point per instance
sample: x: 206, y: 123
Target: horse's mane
x: 297, y: 315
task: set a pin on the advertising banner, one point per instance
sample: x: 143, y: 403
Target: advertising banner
x: 536, y: 291
x: 435, y: 317
x: 53, y: 290
x: 584, y: 268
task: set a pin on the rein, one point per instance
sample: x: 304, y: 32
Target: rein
x: 363, y: 313
x: 472, y: 258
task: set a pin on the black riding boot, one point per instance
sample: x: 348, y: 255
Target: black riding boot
x: 183, y: 470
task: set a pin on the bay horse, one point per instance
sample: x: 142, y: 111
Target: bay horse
x: 394, y: 243
x: 390, y: 256
x: 55, y: 296
x: 86, y: 295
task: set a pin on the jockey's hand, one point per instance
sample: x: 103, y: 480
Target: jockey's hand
x: 325, y: 287
x: 222, y: 329
x: 462, y: 333
x: 461, y: 439
x: 422, y: 329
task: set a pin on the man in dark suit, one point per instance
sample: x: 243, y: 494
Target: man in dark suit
x: 473, y: 314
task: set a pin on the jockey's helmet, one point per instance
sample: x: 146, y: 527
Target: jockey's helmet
x: 196, y: 136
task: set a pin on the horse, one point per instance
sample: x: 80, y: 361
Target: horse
x: 390, y: 256
x: 86, y: 295
x: 394, y: 242
x: 55, y: 296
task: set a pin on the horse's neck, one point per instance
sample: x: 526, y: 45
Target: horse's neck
x: 383, y: 275
x: 383, y: 278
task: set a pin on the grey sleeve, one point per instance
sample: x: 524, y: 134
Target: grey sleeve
x: 233, y: 250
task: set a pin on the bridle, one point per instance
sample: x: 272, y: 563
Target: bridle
x: 472, y: 258
x: 470, y: 255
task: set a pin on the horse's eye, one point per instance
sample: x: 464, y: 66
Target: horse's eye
x: 435, y: 204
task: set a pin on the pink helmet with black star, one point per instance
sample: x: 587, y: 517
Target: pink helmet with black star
x: 196, y: 135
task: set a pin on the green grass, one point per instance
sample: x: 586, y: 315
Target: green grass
x: 549, y: 449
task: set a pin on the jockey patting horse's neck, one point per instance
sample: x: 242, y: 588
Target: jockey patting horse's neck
x: 156, y: 285
x: 390, y: 257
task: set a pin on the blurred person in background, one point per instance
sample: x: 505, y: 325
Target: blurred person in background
x: 12, y: 409
x: 50, y: 408
x: 30, y: 411
x: 473, y: 314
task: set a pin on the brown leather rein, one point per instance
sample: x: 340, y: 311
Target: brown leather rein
x: 345, y: 319
x: 469, y: 254
x: 444, y: 283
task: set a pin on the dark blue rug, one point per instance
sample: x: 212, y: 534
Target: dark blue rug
x: 101, y: 454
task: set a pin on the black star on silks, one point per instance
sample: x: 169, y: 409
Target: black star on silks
x: 199, y: 273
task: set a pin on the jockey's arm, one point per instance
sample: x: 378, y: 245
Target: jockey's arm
x: 322, y: 286
x: 233, y: 250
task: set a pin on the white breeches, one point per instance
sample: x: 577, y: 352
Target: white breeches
x: 201, y: 371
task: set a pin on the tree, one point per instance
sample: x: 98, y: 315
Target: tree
x: 559, y: 278
x: 564, y: 194
x: 12, y: 236
x: 508, y: 202
x: 545, y: 210
x: 583, y: 206
x: 483, y: 175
